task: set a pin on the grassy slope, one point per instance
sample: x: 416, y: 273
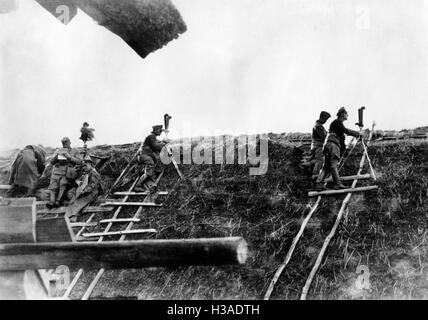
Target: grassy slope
x: 384, y: 230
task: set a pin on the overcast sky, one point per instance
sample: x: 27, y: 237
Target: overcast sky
x: 243, y: 66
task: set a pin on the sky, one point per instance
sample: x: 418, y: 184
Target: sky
x: 243, y: 66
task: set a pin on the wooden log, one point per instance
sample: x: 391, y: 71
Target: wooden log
x: 291, y: 250
x: 127, y: 254
x: 120, y: 220
x: 83, y: 224
x: 352, y: 178
x: 131, y: 204
x: 160, y: 193
x: 335, y: 192
x: 18, y: 220
x: 117, y: 233
x: 89, y: 209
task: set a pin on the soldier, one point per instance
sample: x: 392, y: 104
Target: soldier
x: 149, y: 158
x: 64, y: 171
x: 319, y: 134
x: 334, y: 149
x: 26, y: 169
x: 89, y: 186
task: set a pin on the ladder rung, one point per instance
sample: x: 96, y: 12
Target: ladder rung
x: 117, y: 233
x: 334, y: 192
x: 160, y: 193
x: 82, y: 224
x: 131, y: 204
x: 120, y: 220
x: 351, y: 178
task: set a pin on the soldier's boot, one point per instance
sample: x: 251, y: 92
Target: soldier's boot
x: 319, y: 184
x: 141, y: 184
x: 52, y: 200
x: 337, y: 185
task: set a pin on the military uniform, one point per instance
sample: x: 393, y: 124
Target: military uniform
x: 334, y: 149
x: 318, y: 137
x: 63, y: 171
x: 149, y: 158
x: 26, y: 169
x: 87, y: 191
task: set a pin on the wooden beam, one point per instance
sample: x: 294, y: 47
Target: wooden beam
x: 117, y: 233
x: 342, y: 191
x: 89, y: 209
x: 83, y: 224
x: 4, y: 187
x: 120, y: 220
x: 291, y: 250
x: 161, y: 193
x: 127, y: 254
x: 131, y: 204
x: 352, y: 178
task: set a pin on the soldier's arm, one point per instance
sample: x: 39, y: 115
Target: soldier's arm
x: 73, y: 157
x: 54, y: 159
x: 155, y: 144
x: 349, y: 132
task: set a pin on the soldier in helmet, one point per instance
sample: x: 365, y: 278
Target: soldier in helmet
x: 149, y: 158
x: 334, y: 149
x: 64, y: 171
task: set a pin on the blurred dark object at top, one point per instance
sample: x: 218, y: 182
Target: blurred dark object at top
x: 87, y: 134
x: 145, y: 25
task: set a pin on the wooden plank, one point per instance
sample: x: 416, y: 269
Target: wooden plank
x: 352, y: 178
x: 342, y: 191
x: 18, y: 220
x: 127, y: 254
x: 4, y: 187
x: 83, y: 224
x: 132, y: 204
x: 291, y: 250
x: 161, y: 193
x: 89, y: 209
x: 118, y: 233
x: 119, y: 220
x: 53, y: 230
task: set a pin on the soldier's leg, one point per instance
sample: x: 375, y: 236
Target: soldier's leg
x: 63, y: 185
x: 53, y: 189
x: 334, y: 168
x: 319, y: 184
x: 158, y: 167
x: 148, y: 165
x: 318, y: 156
